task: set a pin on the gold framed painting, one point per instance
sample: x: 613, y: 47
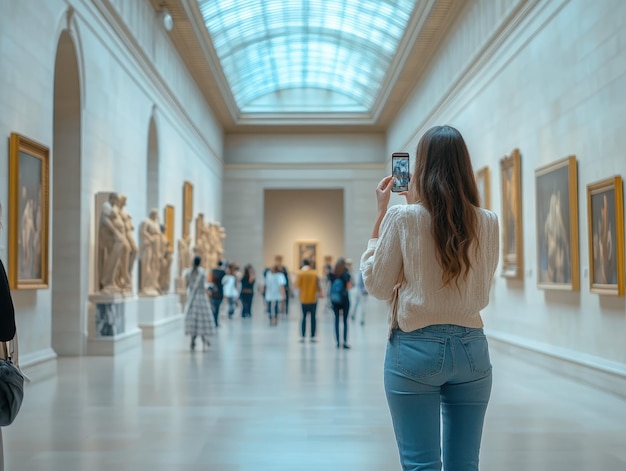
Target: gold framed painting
x: 483, y: 183
x: 168, y: 218
x: 605, y: 225
x: 29, y: 199
x: 556, y: 196
x: 187, y: 207
x: 306, y: 249
x: 512, y: 243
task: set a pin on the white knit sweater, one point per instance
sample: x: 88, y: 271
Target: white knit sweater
x: 406, y: 243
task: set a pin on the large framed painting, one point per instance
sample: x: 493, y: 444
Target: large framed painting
x: 512, y: 243
x: 168, y: 219
x: 306, y: 249
x: 556, y: 188
x: 187, y: 207
x: 28, y: 228
x: 605, y: 223
x: 484, y: 187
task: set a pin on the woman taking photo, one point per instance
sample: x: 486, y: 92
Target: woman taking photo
x: 433, y: 260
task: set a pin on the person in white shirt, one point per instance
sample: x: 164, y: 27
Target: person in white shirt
x: 229, y: 288
x: 433, y: 260
x: 275, y: 283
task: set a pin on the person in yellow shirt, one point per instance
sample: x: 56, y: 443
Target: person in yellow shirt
x: 310, y: 290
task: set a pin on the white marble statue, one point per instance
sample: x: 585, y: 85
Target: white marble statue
x: 184, y: 255
x: 150, y: 242
x: 165, y: 263
x: 112, y: 246
x: 216, y: 235
x: 125, y: 268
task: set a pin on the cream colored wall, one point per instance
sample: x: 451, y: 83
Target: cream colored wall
x: 122, y: 87
x: 550, y: 82
x: 302, y: 215
x: 352, y: 163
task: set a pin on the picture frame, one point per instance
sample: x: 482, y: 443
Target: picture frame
x: 306, y: 249
x: 556, y: 198
x: 483, y: 182
x: 512, y: 234
x: 187, y: 207
x: 605, y: 225
x: 29, y: 203
x: 168, y: 221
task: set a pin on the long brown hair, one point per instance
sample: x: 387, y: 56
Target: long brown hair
x: 340, y: 267
x: 443, y: 182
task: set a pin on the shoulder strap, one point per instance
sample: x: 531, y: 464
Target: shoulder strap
x: 10, y: 351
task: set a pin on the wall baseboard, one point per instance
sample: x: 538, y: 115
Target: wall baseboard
x: 39, y: 365
x: 598, y: 372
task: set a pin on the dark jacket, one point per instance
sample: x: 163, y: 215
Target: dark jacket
x: 7, y: 311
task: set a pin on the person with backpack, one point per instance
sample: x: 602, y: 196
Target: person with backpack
x: 340, y: 283
x: 217, y: 292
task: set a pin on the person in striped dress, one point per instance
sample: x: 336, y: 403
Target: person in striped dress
x: 198, y: 314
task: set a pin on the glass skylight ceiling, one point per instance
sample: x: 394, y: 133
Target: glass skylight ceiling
x: 305, y: 50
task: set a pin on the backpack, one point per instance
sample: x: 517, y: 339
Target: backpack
x: 337, y: 291
x: 216, y: 290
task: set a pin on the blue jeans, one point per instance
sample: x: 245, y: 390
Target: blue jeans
x: 215, y: 304
x: 441, y: 373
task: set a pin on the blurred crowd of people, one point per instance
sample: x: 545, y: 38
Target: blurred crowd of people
x: 235, y: 288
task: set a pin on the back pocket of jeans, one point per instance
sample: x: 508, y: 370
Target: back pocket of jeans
x: 477, y: 351
x: 421, y: 358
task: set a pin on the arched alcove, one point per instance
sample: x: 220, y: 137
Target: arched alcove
x: 152, y: 188
x: 68, y: 282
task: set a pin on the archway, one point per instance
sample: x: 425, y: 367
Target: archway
x: 68, y: 281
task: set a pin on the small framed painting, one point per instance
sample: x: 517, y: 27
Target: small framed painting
x: 605, y: 223
x: 556, y: 187
x: 306, y: 249
x: 484, y: 188
x: 512, y: 243
x: 28, y: 228
x: 187, y: 207
x: 168, y: 220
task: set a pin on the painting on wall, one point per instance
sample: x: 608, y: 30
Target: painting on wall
x: 28, y: 228
x: 187, y: 207
x: 168, y: 218
x: 557, y: 225
x: 511, y: 218
x: 484, y: 187
x: 605, y: 223
x: 306, y: 249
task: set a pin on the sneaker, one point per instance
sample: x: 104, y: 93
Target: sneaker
x: 346, y: 346
x: 313, y: 340
x: 302, y: 340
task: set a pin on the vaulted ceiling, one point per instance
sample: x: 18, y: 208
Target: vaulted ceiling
x: 340, y: 65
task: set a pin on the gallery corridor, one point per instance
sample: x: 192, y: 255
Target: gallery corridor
x: 260, y: 400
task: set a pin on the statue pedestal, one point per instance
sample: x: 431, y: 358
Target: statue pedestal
x: 181, y: 290
x: 112, y: 324
x: 159, y: 315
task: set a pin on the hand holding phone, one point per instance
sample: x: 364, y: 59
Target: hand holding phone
x: 400, y: 171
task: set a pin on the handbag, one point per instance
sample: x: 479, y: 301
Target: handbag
x: 11, y: 383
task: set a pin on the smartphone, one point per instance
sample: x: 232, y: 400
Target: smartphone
x: 400, y: 171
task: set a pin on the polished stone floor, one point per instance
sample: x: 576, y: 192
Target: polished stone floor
x: 260, y: 400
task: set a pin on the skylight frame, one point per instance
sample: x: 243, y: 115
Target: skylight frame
x: 343, y: 46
